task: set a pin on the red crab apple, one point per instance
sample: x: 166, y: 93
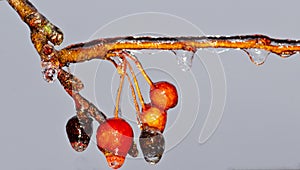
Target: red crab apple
x: 163, y: 95
x: 154, y: 117
x: 114, y: 139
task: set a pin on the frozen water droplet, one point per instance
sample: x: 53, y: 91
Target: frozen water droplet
x: 117, y: 60
x: 184, y: 59
x: 152, y: 143
x: 153, y: 159
x: 115, y: 161
x: 286, y: 54
x: 144, y: 52
x: 49, y: 72
x: 221, y: 50
x: 79, y: 133
x: 79, y: 146
x: 151, y: 52
x: 119, y: 64
x: 257, y: 56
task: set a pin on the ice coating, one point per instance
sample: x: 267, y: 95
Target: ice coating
x: 184, y: 59
x: 49, y: 71
x: 43, y: 32
x: 257, y: 56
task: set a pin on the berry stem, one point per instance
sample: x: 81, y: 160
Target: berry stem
x: 132, y: 87
x: 140, y: 67
x: 134, y: 99
x: 136, y: 84
x: 122, y: 72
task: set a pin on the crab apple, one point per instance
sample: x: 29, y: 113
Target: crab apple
x: 133, y: 151
x: 152, y: 144
x: 114, y: 139
x: 79, y: 133
x: 164, y: 95
x: 154, y: 117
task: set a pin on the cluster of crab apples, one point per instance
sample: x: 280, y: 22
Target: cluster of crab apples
x: 115, y: 136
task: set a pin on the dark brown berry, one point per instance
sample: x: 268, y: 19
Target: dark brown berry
x: 79, y: 133
x: 152, y: 144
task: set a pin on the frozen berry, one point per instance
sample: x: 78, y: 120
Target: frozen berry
x: 154, y: 117
x: 79, y: 133
x: 164, y: 95
x: 114, y: 139
x: 133, y: 151
x: 152, y: 143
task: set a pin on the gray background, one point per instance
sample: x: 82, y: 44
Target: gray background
x: 260, y: 125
